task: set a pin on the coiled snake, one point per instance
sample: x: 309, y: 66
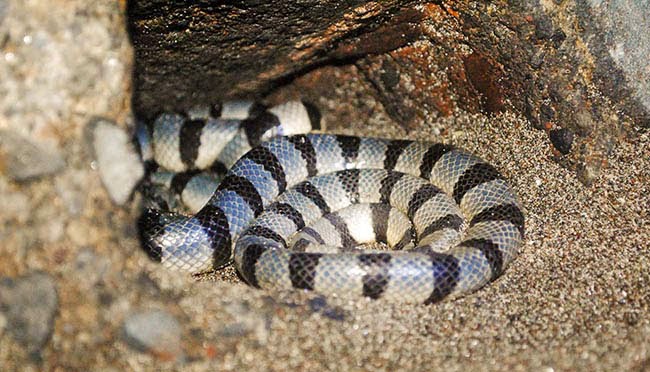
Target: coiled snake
x: 295, y: 208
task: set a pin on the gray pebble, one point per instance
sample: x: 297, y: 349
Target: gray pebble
x: 118, y: 162
x: 156, y: 331
x: 89, y: 268
x: 29, y: 304
x: 25, y: 159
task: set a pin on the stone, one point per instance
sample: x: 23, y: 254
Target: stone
x: 25, y: 159
x: 154, y: 331
x: 626, y: 25
x: 118, y: 162
x: 182, y: 60
x: 30, y: 304
x: 562, y: 139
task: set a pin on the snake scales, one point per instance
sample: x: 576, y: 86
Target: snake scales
x: 295, y: 208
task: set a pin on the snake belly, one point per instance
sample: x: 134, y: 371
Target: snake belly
x: 294, y: 212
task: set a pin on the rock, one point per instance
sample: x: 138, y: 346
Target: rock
x: 63, y: 62
x: 624, y: 33
x: 173, y: 73
x: 29, y: 304
x: 155, y: 331
x: 562, y: 139
x: 118, y: 162
x: 25, y: 159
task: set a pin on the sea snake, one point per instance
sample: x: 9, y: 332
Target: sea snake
x: 295, y: 208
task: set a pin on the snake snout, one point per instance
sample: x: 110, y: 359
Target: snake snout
x: 150, y: 225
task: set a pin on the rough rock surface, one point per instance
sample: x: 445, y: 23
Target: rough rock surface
x: 520, y: 84
x: 198, y: 52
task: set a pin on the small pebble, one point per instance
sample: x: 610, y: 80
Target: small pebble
x: 562, y: 139
x: 29, y: 304
x: 90, y: 268
x: 25, y: 160
x: 118, y: 163
x: 155, y: 331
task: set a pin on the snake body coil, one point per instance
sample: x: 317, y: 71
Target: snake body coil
x: 294, y: 211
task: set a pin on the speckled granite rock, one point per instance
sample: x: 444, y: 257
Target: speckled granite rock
x: 621, y: 43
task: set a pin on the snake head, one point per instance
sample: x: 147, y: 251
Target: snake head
x: 183, y: 243
x: 151, y: 224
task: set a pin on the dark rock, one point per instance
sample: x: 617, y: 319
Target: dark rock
x: 558, y: 38
x: 190, y: 53
x: 484, y: 76
x: 30, y: 304
x: 544, y: 28
x: 562, y: 139
x: 397, y: 32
